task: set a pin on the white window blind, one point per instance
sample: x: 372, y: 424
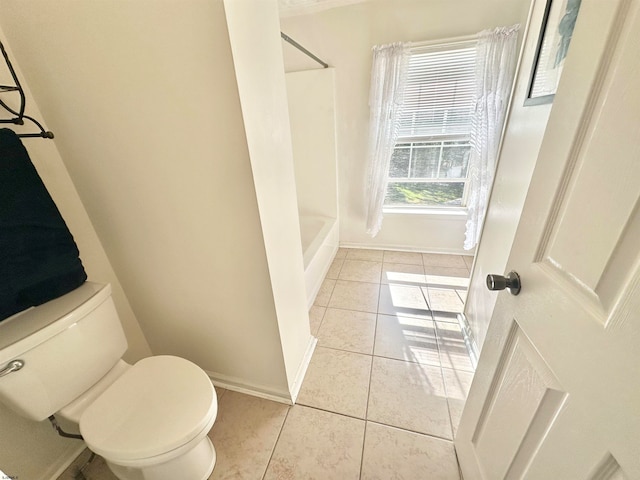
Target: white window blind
x: 439, y: 91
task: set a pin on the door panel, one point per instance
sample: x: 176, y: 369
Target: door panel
x: 557, y: 389
x: 581, y: 215
x: 525, y: 390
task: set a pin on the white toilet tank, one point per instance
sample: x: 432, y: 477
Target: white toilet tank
x: 66, y: 344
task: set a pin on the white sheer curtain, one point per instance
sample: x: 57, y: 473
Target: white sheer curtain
x: 495, y: 66
x: 388, y: 76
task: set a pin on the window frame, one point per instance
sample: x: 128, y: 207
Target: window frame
x: 435, y: 47
x: 400, y: 144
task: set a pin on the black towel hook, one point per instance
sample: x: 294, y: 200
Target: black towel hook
x: 19, y: 115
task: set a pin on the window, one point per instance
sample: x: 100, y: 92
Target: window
x: 430, y: 160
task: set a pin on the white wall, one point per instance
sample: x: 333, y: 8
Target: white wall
x: 144, y: 100
x: 254, y: 32
x: 311, y: 98
x: 28, y: 449
x: 343, y: 37
x: 522, y: 139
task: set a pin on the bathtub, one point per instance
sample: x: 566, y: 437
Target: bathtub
x: 319, y: 238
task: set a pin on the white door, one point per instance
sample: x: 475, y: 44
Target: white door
x: 556, y: 395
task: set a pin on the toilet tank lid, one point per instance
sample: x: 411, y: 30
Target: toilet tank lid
x: 29, y: 328
x: 158, y: 405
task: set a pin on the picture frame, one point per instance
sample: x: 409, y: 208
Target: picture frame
x: 553, y: 43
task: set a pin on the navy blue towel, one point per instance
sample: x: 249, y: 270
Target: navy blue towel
x: 39, y: 260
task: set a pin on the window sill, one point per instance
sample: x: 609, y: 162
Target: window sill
x: 431, y: 211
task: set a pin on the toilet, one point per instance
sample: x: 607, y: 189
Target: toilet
x: 149, y: 421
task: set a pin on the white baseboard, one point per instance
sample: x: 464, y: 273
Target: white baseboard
x: 302, y: 369
x: 289, y: 398
x: 64, y: 461
x: 239, y: 385
x: 405, y: 248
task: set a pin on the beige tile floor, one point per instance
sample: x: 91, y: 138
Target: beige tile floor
x: 385, y: 388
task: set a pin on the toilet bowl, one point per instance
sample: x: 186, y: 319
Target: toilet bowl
x: 152, y: 422
x: 149, y: 421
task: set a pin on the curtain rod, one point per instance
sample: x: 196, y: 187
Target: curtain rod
x: 290, y: 40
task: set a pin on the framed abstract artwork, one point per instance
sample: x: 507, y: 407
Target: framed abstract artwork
x: 553, y: 44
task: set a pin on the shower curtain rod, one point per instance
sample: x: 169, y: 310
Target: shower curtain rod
x: 290, y: 40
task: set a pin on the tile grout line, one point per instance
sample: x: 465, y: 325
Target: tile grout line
x: 351, y: 310
x: 320, y: 409
x: 430, y: 435
x: 345, y: 351
x: 354, y: 281
x: 275, y: 444
x: 415, y: 362
x: 364, y: 439
x: 366, y: 412
x: 317, y: 335
x: 426, y: 297
x: 435, y: 330
x: 340, y: 269
x: 444, y: 384
x: 330, y: 295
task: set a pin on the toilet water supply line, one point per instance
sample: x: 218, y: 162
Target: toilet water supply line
x: 61, y: 432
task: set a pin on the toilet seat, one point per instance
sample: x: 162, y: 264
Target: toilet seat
x: 156, y: 407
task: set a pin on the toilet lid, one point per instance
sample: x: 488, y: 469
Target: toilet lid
x: 159, y: 404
